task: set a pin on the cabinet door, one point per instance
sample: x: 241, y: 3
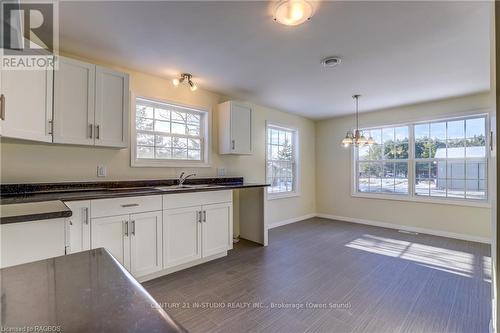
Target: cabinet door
x: 79, y: 226
x: 145, y: 243
x: 74, y: 85
x: 241, y: 129
x: 27, y: 96
x: 111, y: 108
x: 181, y: 236
x: 217, y: 228
x: 30, y: 241
x: 112, y: 233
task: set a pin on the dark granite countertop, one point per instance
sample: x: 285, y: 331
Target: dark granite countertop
x: 32, y: 211
x: 40, y: 192
x: 82, y: 292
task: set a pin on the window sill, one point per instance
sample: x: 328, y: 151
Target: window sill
x: 168, y: 164
x: 407, y: 198
x: 276, y: 196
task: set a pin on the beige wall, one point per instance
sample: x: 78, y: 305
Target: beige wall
x: 23, y: 162
x: 333, y: 169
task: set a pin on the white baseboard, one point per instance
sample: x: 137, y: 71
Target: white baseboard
x: 292, y: 220
x: 408, y: 228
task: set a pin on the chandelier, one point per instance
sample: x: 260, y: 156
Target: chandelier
x: 356, y: 138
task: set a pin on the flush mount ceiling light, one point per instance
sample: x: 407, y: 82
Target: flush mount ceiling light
x: 357, y: 138
x: 185, y: 77
x: 293, y: 12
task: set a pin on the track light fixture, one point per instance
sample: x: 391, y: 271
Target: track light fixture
x: 185, y: 77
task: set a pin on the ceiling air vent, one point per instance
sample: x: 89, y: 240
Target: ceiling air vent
x: 331, y: 61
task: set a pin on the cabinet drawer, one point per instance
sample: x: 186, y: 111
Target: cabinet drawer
x: 196, y: 199
x: 129, y: 205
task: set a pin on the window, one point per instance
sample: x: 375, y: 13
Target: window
x: 383, y: 168
x: 281, y: 161
x: 438, y: 159
x: 450, y: 159
x: 169, y: 135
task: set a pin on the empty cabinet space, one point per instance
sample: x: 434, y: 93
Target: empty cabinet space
x: 235, y: 128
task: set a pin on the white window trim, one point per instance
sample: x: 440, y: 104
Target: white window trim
x: 411, y: 196
x: 296, y: 192
x: 156, y: 163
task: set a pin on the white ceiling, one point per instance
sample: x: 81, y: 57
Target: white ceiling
x: 394, y: 53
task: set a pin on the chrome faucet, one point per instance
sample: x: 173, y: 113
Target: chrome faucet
x: 183, y: 178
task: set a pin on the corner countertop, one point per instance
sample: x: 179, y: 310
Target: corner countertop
x: 83, y: 292
x: 32, y: 211
x: 30, y: 202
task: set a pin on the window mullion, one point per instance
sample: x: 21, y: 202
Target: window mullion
x: 411, y: 161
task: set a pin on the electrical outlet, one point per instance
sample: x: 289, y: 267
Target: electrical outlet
x: 221, y: 172
x: 101, y: 171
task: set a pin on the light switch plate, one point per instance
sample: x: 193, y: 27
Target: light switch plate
x: 101, y: 171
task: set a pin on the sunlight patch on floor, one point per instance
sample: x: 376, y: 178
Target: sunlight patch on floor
x: 451, y: 261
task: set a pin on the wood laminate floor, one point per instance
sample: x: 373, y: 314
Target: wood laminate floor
x: 320, y: 275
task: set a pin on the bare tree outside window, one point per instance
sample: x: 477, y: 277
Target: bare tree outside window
x: 281, y: 160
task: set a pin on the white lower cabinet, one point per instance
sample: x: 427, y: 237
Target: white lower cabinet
x: 30, y: 241
x: 217, y: 228
x: 135, y: 240
x: 79, y: 226
x: 199, y: 231
x: 181, y: 236
x: 112, y: 233
x: 145, y: 243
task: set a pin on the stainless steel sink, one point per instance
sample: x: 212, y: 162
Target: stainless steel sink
x: 131, y: 189
x: 172, y: 187
x: 186, y: 187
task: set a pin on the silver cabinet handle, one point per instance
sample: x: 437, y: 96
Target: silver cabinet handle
x: 126, y: 228
x: 86, y: 219
x: 204, y: 216
x: 133, y: 227
x: 51, y: 127
x: 97, y: 132
x: 232, y: 144
x: 198, y: 216
x: 130, y: 205
x: 90, y: 130
x: 2, y: 106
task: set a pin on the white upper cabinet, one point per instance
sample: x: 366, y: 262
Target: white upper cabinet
x: 91, y: 105
x: 74, y: 88
x: 111, y: 108
x: 235, y: 128
x: 26, y: 104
